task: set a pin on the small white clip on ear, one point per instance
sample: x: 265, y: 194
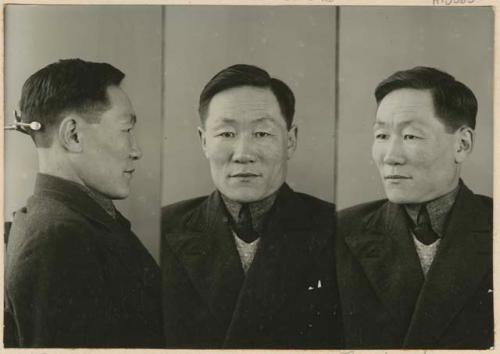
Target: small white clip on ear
x: 19, y: 126
x: 33, y: 125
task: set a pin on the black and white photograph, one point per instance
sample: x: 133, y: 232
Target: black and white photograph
x: 415, y: 177
x: 81, y: 271
x: 247, y: 222
x: 248, y: 176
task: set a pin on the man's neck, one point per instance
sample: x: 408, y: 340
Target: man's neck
x: 58, y: 166
x: 53, y: 163
x: 259, y: 209
x: 438, y: 209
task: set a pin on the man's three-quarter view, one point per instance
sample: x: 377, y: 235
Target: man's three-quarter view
x: 76, y: 275
x: 251, y: 265
x: 415, y: 270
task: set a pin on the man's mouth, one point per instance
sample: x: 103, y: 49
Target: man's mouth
x: 396, y: 177
x: 244, y: 175
x: 129, y: 172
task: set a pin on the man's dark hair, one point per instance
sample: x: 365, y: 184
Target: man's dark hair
x: 70, y: 85
x: 247, y: 75
x: 454, y: 103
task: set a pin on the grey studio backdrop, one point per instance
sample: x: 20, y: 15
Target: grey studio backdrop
x: 374, y: 42
x: 293, y: 43
x: 128, y: 37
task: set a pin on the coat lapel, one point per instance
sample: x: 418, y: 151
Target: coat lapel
x: 387, y: 255
x: 463, y: 258
x: 277, y: 268
x: 208, y: 253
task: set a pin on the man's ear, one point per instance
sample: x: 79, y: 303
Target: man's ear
x: 203, y: 139
x: 69, y: 134
x: 464, y: 144
x: 291, y: 140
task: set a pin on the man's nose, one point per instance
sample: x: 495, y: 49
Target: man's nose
x: 394, y: 154
x: 135, y: 152
x: 243, y: 150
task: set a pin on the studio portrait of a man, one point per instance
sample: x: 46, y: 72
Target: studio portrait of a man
x: 251, y: 264
x: 76, y: 275
x: 415, y: 270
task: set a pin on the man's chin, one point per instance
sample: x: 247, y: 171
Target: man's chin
x: 399, y: 197
x: 116, y: 194
x: 247, y: 195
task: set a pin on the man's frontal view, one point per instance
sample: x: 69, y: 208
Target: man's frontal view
x: 251, y: 265
x: 415, y: 270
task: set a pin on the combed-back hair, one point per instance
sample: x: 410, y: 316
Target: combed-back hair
x: 454, y: 103
x: 247, y: 75
x: 69, y: 85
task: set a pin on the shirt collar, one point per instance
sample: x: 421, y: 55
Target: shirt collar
x: 258, y: 209
x: 104, y: 202
x: 438, y: 210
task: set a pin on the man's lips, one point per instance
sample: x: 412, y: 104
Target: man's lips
x: 131, y: 171
x: 244, y: 175
x: 396, y: 177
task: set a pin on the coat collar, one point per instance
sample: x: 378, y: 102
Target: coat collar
x: 74, y: 196
x: 208, y: 252
x: 117, y: 235
x: 285, y: 208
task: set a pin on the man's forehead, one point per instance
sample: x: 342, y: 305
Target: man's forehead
x: 244, y: 104
x: 405, y: 106
x: 400, y: 123
x: 406, y: 100
x: 119, y: 114
x: 244, y: 97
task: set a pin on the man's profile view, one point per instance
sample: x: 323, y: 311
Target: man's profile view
x: 76, y: 275
x: 251, y: 265
x: 415, y: 270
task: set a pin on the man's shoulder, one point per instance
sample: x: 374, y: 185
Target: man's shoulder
x: 54, y: 237
x: 48, y: 223
x: 177, y: 213
x: 319, y: 211
x: 360, y: 210
x: 314, y: 202
x: 484, y: 201
x: 477, y: 209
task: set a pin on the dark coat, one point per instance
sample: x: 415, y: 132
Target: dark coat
x: 75, y: 277
x: 210, y: 303
x: 385, y: 301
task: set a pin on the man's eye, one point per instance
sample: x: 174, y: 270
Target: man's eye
x: 381, y: 136
x: 127, y: 130
x: 262, y: 134
x: 227, y: 134
x: 410, y: 137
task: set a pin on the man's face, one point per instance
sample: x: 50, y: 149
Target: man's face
x: 110, y: 148
x: 413, y: 151
x: 247, y: 143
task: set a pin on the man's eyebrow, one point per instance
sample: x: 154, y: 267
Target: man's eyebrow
x: 403, y: 123
x: 223, y: 121
x: 226, y: 120
x: 264, y: 119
